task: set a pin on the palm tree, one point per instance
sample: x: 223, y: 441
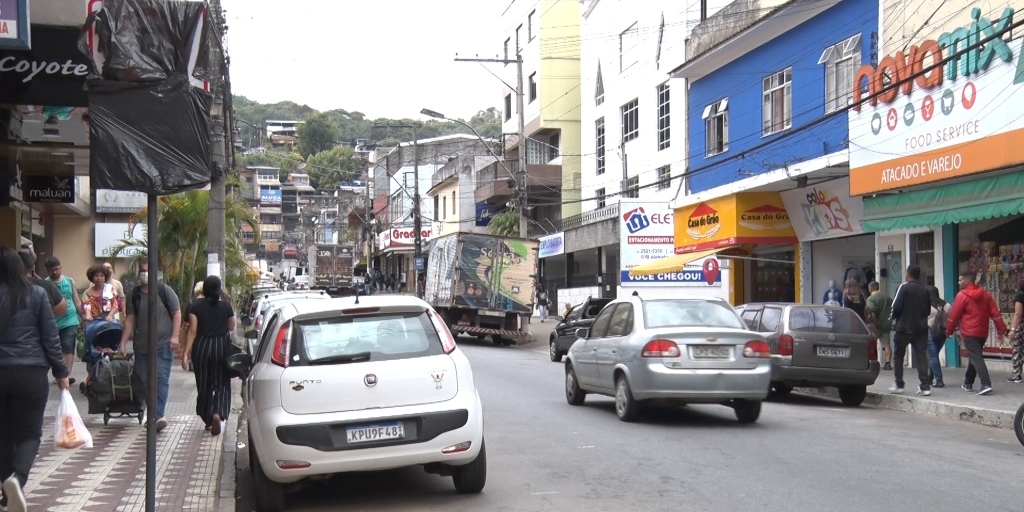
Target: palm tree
x: 183, y: 241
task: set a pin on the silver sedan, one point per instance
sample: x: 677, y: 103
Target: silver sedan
x: 669, y: 352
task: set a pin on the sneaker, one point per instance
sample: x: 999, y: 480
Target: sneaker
x: 967, y: 388
x: 15, y: 496
x: 1015, y: 380
x: 887, y: 366
x: 924, y: 392
x: 161, y: 424
x: 215, y: 427
x: 985, y: 390
x: 939, y: 384
x: 896, y: 390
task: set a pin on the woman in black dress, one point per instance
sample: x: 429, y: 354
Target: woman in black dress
x: 211, y: 321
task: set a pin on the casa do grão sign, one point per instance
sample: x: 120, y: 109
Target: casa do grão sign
x: 952, y: 110
x: 740, y: 219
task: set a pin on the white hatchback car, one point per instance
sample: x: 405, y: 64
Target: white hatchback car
x: 359, y: 384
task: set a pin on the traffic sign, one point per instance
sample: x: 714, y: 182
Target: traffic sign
x: 418, y: 263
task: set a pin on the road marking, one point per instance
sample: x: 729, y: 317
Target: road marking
x: 584, y: 447
x: 543, y: 493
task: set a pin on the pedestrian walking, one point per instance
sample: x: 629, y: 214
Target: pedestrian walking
x: 57, y: 302
x: 136, y: 328
x: 100, y: 300
x: 878, y: 315
x: 853, y: 298
x: 68, y: 322
x: 972, y: 309
x: 30, y: 346
x: 936, y: 335
x: 542, y: 302
x: 910, y: 309
x: 1017, y: 333
x: 211, y: 322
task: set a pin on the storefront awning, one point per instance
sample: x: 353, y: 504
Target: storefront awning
x: 986, y: 198
x: 674, y: 263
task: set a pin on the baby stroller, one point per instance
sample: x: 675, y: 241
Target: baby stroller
x: 112, y: 386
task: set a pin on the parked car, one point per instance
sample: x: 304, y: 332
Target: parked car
x: 263, y: 303
x: 359, y: 384
x: 816, y: 346
x: 667, y: 352
x: 581, y: 316
x: 268, y: 307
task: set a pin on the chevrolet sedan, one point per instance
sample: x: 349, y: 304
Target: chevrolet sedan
x: 670, y: 352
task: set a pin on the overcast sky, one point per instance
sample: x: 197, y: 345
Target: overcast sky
x: 385, y: 58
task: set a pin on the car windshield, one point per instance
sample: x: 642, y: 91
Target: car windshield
x: 826, y: 320
x: 368, y: 337
x: 689, y: 313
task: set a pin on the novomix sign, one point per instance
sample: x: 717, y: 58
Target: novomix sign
x: 552, y: 245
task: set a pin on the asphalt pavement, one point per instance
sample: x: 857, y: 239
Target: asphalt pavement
x: 804, y: 454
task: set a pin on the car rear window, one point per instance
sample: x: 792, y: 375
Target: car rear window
x: 690, y: 313
x: 383, y: 336
x: 826, y: 320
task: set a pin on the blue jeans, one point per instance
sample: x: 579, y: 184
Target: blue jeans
x: 164, y: 360
x: 935, y: 345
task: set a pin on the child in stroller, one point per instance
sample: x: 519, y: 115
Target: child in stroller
x: 102, y: 338
x: 117, y: 390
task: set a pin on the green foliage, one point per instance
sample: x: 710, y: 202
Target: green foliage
x: 256, y: 113
x: 488, y: 123
x: 288, y: 163
x: 318, y: 133
x: 505, y: 223
x: 327, y: 168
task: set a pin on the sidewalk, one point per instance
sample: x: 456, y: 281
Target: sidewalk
x: 111, y: 476
x: 951, y: 402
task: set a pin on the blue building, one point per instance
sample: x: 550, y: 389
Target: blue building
x: 768, y: 94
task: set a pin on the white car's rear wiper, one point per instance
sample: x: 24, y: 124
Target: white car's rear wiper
x: 344, y: 358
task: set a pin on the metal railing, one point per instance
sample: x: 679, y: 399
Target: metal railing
x: 591, y: 217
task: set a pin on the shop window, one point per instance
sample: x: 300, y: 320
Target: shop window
x: 922, y: 254
x: 994, y: 249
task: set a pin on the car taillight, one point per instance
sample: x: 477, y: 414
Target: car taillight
x: 259, y: 320
x: 873, y: 351
x: 282, y: 345
x: 757, y: 349
x: 447, y: 340
x: 660, y: 348
x: 785, y: 345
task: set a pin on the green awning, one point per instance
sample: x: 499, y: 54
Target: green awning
x: 986, y: 198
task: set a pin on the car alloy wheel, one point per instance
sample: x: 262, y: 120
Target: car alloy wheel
x: 553, y: 352
x: 626, y: 407
x: 573, y: 394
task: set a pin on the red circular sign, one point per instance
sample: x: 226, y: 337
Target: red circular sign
x: 969, y: 95
x: 891, y: 119
x: 927, y: 108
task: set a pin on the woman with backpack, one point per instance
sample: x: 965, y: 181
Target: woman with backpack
x: 936, y: 334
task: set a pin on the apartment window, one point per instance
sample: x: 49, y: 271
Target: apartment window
x: 841, y: 62
x: 777, y: 102
x: 533, y: 87
x: 630, y: 120
x: 518, y: 30
x: 437, y: 210
x: 664, y: 140
x: 600, y: 195
x: 529, y: 25
x: 453, y: 201
x: 599, y: 91
x: 599, y: 135
x: 664, y: 177
x: 508, y: 107
x: 628, y: 41
x: 444, y: 207
x: 716, y: 127
x: 631, y: 187
x: 507, y: 41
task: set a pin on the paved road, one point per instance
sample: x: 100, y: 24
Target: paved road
x: 806, y: 454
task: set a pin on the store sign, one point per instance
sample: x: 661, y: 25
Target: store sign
x: 484, y: 213
x: 739, y: 219
x: 966, y: 121
x: 53, y: 72
x: 552, y: 245
x: 118, y: 201
x: 15, y: 31
x: 402, y: 238
x: 48, y: 189
x: 270, y: 195
x: 110, y: 236
x: 824, y: 211
x: 646, y: 236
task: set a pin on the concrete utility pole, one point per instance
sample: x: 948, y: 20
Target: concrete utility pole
x: 520, y: 177
x: 215, y: 221
x: 417, y: 221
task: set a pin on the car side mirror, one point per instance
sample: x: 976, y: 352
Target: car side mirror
x: 252, y: 334
x: 582, y: 332
x: 240, y: 364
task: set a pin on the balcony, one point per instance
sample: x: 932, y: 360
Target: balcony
x: 450, y: 170
x: 591, y: 217
x: 494, y: 182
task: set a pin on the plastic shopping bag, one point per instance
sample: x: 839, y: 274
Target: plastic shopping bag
x: 69, y: 431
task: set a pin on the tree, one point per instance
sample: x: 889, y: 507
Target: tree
x: 488, y: 123
x: 182, y: 236
x: 318, y: 133
x: 327, y: 168
x: 505, y: 223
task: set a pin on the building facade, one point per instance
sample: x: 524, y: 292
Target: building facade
x: 452, y: 190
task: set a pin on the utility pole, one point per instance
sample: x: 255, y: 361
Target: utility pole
x: 417, y: 221
x: 520, y: 177
x: 215, y: 221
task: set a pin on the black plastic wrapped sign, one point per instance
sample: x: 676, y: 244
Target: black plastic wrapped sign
x: 152, y: 138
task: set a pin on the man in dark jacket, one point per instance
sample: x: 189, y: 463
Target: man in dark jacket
x: 910, y: 309
x: 972, y: 309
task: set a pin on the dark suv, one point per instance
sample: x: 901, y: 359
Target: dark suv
x: 581, y: 316
x: 816, y: 346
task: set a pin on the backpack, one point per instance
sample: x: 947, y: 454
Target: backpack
x: 938, y: 327
x: 161, y: 292
x: 111, y: 381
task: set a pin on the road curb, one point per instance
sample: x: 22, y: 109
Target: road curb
x: 921, y: 405
x: 228, y: 475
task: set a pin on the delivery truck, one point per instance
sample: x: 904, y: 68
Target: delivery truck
x: 483, y: 285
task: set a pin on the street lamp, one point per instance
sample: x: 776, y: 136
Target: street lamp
x: 520, y: 184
